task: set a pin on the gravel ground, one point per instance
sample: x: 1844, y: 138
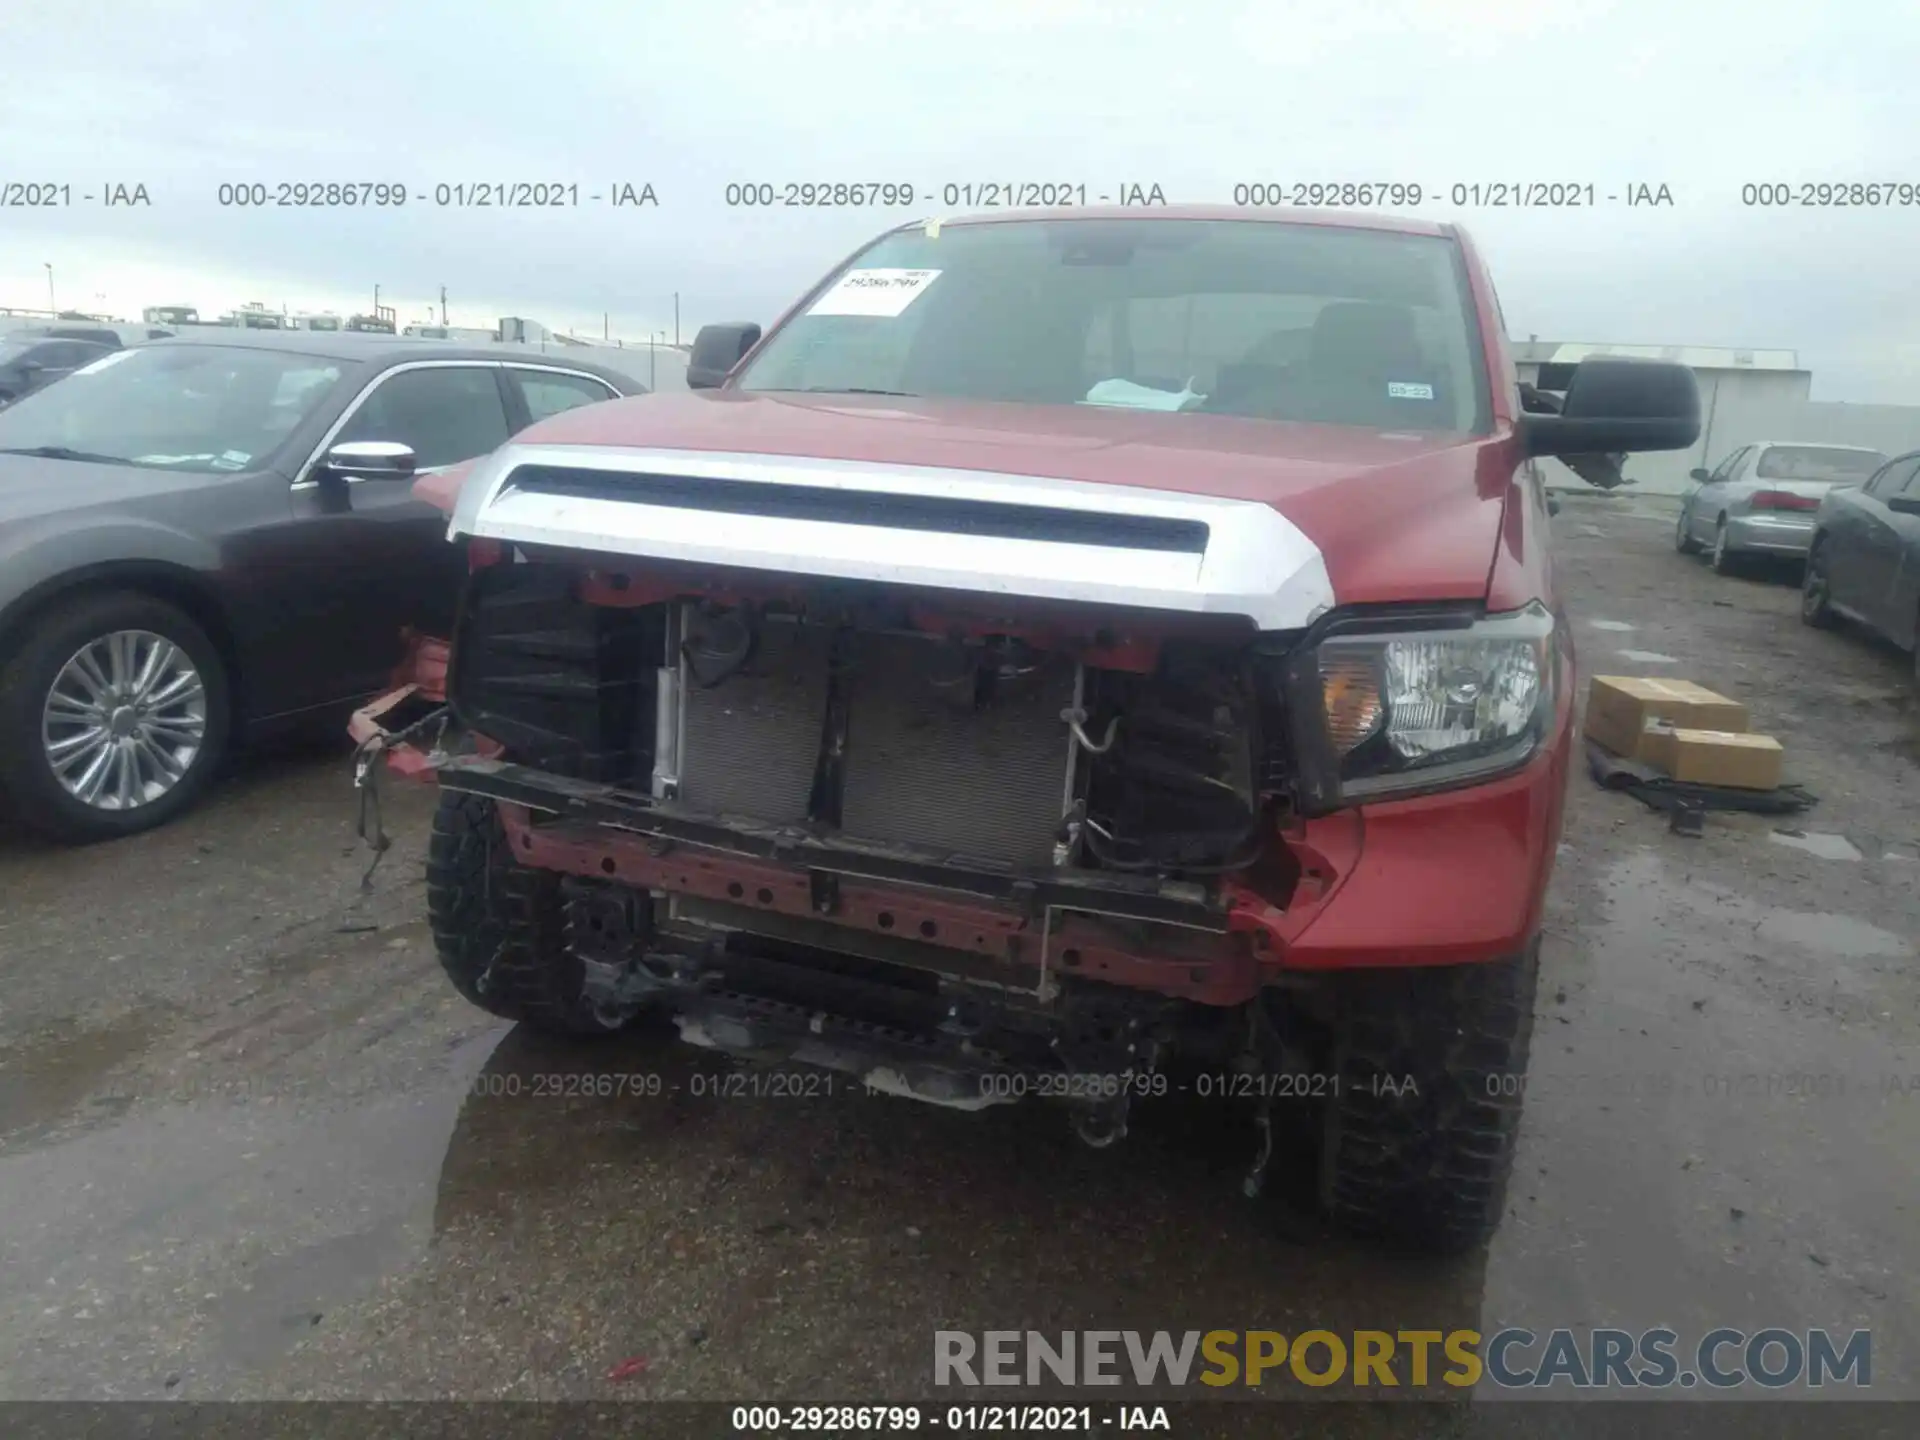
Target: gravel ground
x: 253, y: 1146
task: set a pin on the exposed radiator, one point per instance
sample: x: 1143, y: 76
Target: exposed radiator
x: 927, y: 766
x: 932, y: 758
x: 749, y: 744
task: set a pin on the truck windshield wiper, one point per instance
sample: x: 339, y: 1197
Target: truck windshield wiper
x: 63, y: 452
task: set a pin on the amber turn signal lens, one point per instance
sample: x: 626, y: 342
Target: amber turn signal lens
x: 1350, y: 690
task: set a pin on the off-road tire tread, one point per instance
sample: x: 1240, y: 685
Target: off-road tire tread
x: 499, y: 926
x: 1428, y: 1169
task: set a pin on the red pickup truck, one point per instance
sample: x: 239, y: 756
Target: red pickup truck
x: 1078, y: 655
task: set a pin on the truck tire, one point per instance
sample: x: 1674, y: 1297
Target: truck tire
x: 1419, y: 1136
x: 499, y: 926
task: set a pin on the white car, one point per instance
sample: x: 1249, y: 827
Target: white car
x: 1761, y: 499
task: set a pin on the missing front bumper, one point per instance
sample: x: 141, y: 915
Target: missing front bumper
x: 1033, y: 930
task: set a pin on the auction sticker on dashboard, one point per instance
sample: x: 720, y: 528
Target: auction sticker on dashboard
x: 881, y: 292
x: 1408, y: 390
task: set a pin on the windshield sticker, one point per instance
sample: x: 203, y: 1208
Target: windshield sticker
x: 103, y: 362
x: 1408, y: 390
x: 881, y: 292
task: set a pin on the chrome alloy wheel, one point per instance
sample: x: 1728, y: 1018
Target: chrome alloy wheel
x: 124, y: 720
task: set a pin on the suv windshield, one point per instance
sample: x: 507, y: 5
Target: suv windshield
x: 1817, y: 463
x: 1256, y: 318
x: 186, y: 407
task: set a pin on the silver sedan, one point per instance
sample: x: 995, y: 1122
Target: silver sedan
x: 1761, y: 499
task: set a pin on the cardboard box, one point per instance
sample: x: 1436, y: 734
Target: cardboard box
x: 1739, y: 759
x: 1621, y: 708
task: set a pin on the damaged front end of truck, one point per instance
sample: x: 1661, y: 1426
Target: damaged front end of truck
x: 974, y: 787
x: 966, y: 845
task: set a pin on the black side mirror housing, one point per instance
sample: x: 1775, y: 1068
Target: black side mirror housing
x: 716, y: 350
x: 1616, y: 405
x: 1700, y: 474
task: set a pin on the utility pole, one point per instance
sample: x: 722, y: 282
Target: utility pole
x: 606, y: 330
x: 376, y: 300
x: 443, y: 305
x: 52, y: 304
x: 676, y: 319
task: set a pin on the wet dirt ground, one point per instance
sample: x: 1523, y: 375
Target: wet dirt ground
x: 253, y: 1146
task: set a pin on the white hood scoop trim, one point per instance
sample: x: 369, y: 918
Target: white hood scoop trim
x: 966, y: 530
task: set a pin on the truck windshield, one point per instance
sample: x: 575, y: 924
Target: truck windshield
x: 1313, y: 323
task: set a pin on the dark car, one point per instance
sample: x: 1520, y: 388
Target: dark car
x: 211, y: 536
x: 1864, y: 563
x: 33, y: 362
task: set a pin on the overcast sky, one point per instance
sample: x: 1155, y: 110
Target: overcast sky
x: 183, y: 95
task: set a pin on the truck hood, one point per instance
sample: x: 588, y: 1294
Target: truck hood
x: 1395, y: 516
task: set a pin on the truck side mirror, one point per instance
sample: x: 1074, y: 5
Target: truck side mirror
x: 716, y: 350
x: 1615, y: 405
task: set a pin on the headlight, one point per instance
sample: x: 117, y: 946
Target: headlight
x: 1420, y: 709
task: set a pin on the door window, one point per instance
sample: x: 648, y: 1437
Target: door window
x: 68, y: 354
x: 1895, y: 479
x: 447, y: 414
x: 1730, y: 466
x: 548, y: 392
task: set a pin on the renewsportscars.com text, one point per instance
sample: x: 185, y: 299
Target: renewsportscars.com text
x: 1514, y: 1358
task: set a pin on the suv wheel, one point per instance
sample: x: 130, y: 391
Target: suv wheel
x: 500, y: 927
x: 113, y: 717
x: 1683, y: 540
x: 1431, y: 1066
x: 1816, y: 591
x: 1725, y: 559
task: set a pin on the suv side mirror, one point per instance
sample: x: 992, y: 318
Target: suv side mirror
x: 370, y: 460
x: 716, y: 350
x: 1617, y: 405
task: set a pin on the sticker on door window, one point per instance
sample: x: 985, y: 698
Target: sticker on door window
x: 1408, y: 390
x: 881, y: 292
